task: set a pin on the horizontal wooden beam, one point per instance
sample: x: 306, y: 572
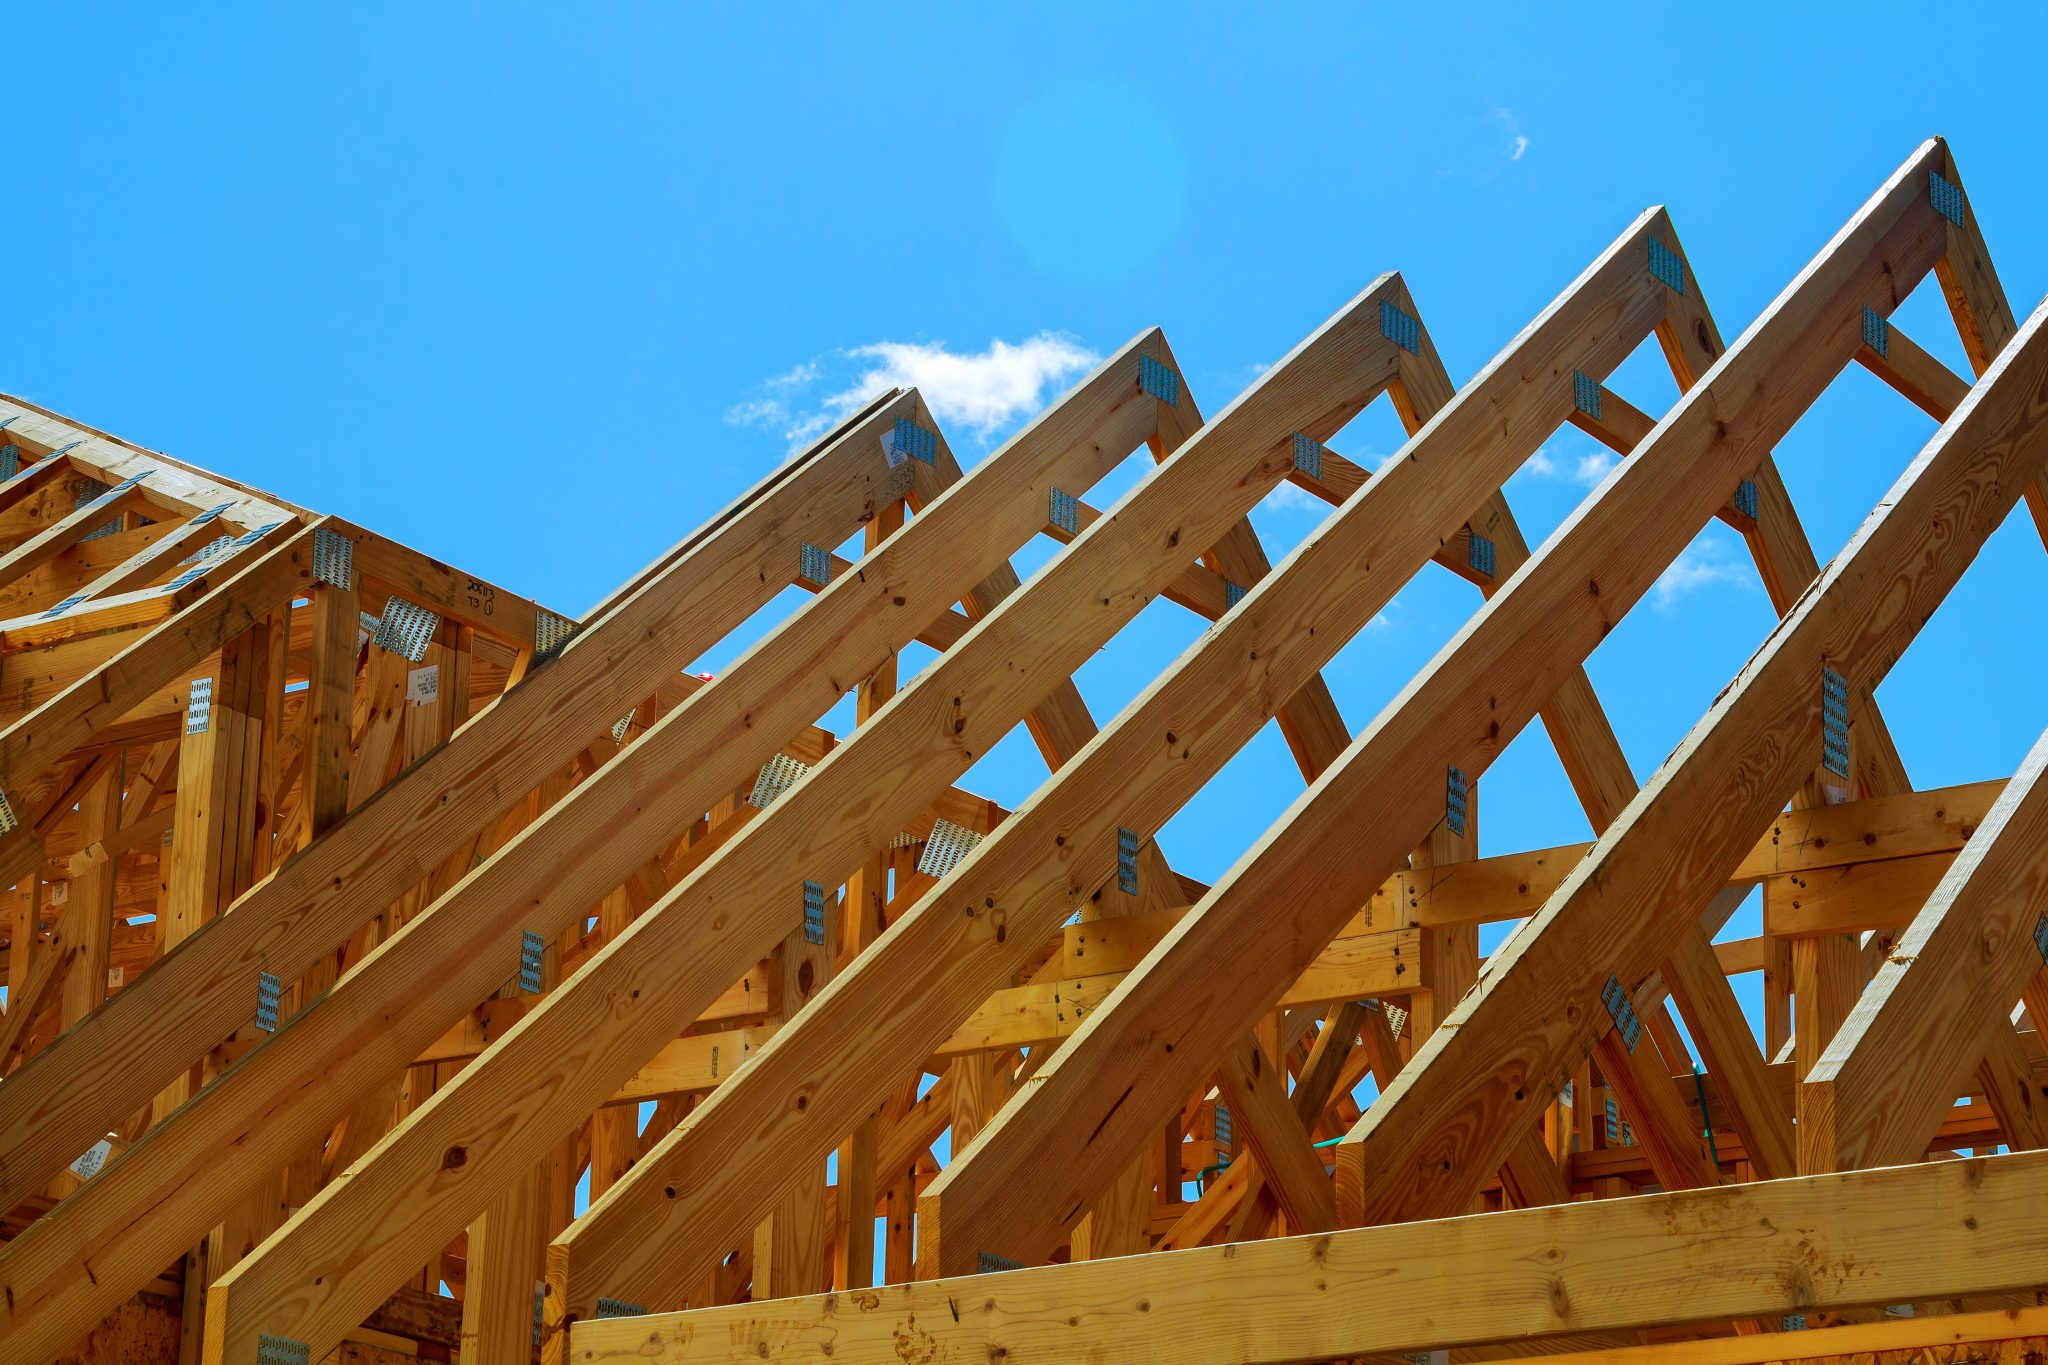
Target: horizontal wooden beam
x: 390, y: 569
x: 1764, y: 1250
x: 1355, y: 967
x: 1851, y: 898
x: 1906, y: 1340
x: 1808, y: 854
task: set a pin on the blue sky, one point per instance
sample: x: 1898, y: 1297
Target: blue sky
x: 537, y: 290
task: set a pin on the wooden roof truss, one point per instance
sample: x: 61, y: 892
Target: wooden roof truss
x: 379, y: 1042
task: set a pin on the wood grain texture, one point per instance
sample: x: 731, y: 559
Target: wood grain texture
x: 1765, y: 1249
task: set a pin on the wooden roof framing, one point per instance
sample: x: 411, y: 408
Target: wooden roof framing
x: 589, y: 880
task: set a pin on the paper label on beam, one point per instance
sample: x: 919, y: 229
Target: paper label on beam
x: 88, y: 1164
x: 423, y: 685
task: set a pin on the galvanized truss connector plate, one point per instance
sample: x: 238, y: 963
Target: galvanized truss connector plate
x: 1745, y: 498
x: 777, y: 776
x: 269, y: 994
x: 66, y: 605
x: 814, y: 564
x: 1064, y: 511
x: 1622, y: 1010
x: 241, y: 542
x: 1586, y: 394
x: 1457, y: 800
x: 814, y: 912
x: 1479, y: 553
x: 551, y: 634
x: 1834, y: 722
x: 272, y: 1350
x: 531, y: 948
x: 948, y: 844
x: 1947, y: 197
x: 198, y: 706
x: 1666, y: 266
x: 909, y: 441
x: 1402, y: 328
x: 334, y: 558
x: 407, y: 628
x: 1159, y: 381
x: 1308, y: 455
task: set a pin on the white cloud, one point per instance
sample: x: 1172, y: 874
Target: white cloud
x: 1703, y: 564
x: 1287, y: 497
x: 1593, y: 466
x: 1517, y: 144
x: 1584, y: 469
x: 796, y: 376
x: 974, y: 392
x: 766, y: 413
x: 1245, y: 374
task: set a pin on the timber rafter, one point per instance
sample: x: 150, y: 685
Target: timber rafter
x: 364, y: 911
